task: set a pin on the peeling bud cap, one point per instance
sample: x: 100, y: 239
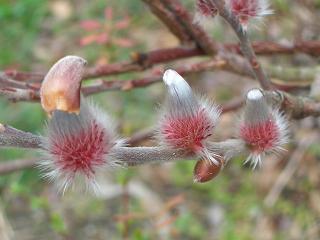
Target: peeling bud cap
x: 60, y: 89
x: 187, y: 121
x: 263, y: 129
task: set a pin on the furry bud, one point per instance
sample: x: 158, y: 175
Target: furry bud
x: 204, y: 9
x: 77, y: 147
x: 187, y: 121
x: 60, y: 89
x: 263, y: 129
x: 205, y: 170
x: 249, y: 9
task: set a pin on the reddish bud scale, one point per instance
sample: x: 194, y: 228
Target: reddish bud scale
x: 205, y: 170
x: 262, y: 136
x: 187, y: 133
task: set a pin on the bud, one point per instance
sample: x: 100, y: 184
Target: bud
x: 204, y: 9
x: 187, y: 122
x: 60, y: 89
x: 263, y: 129
x: 77, y: 147
x: 205, y: 170
x: 249, y: 9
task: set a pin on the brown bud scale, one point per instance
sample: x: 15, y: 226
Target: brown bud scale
x: 60, y: 89
x: 205, y: 170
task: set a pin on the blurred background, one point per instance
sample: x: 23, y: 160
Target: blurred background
x: 155, y: 201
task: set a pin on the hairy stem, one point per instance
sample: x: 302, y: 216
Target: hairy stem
x: 133, y: 156
x: 11, y: 137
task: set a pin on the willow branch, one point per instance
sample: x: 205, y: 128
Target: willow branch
x: 143, y: 61
x: 160, y: 9
x: 12, y: 137
x: 296, y: 107
x: 100, y: 86
x: 198, y: 35
x: 16, y: 95
x: 245, y: 44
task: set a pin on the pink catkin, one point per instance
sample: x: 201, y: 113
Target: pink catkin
x: 206, y: 8
x: 187, y: 133
x: 81, y: 152
x: 261, y: 137
x: 245, y: 8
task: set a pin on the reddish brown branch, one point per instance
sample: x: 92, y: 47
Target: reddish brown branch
x: 200, y: 37
x: 16, y: 95
x: 296, y: 107
x: 101, y: 85
x: 169, y: 19
x: 142, y: 61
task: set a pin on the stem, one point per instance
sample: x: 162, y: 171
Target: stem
x: 134, y: 156
x: 11, y: 137
x: 245, y: 44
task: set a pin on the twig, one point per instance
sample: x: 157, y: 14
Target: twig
x: 169, y: 19
x: 296, y: 107
x: 101, y: 85
x: 16, y: 165
x: 289, y: 170
x: 140, y: 136
x: 16, y: 95
x: 12, y: 137
x: 142, y: 61
x: 270, y: 48
x: 295, y: 76
x: 245, y: 44
x: 200, y: 37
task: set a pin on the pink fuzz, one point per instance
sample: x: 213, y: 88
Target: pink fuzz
x: 261, y: 137
x: 80, y: 152
x: 247, y: 9
x: 206, y: 8
x: 187, y: 132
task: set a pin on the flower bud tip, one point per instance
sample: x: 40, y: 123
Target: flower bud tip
x: 254, y: 94
x: 171, y: 77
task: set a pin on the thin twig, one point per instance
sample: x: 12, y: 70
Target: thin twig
x: 159, y: 9
x: 198, y: 35
x: 245, y: 44
x: 12, y: 137
x: 142, y: 61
